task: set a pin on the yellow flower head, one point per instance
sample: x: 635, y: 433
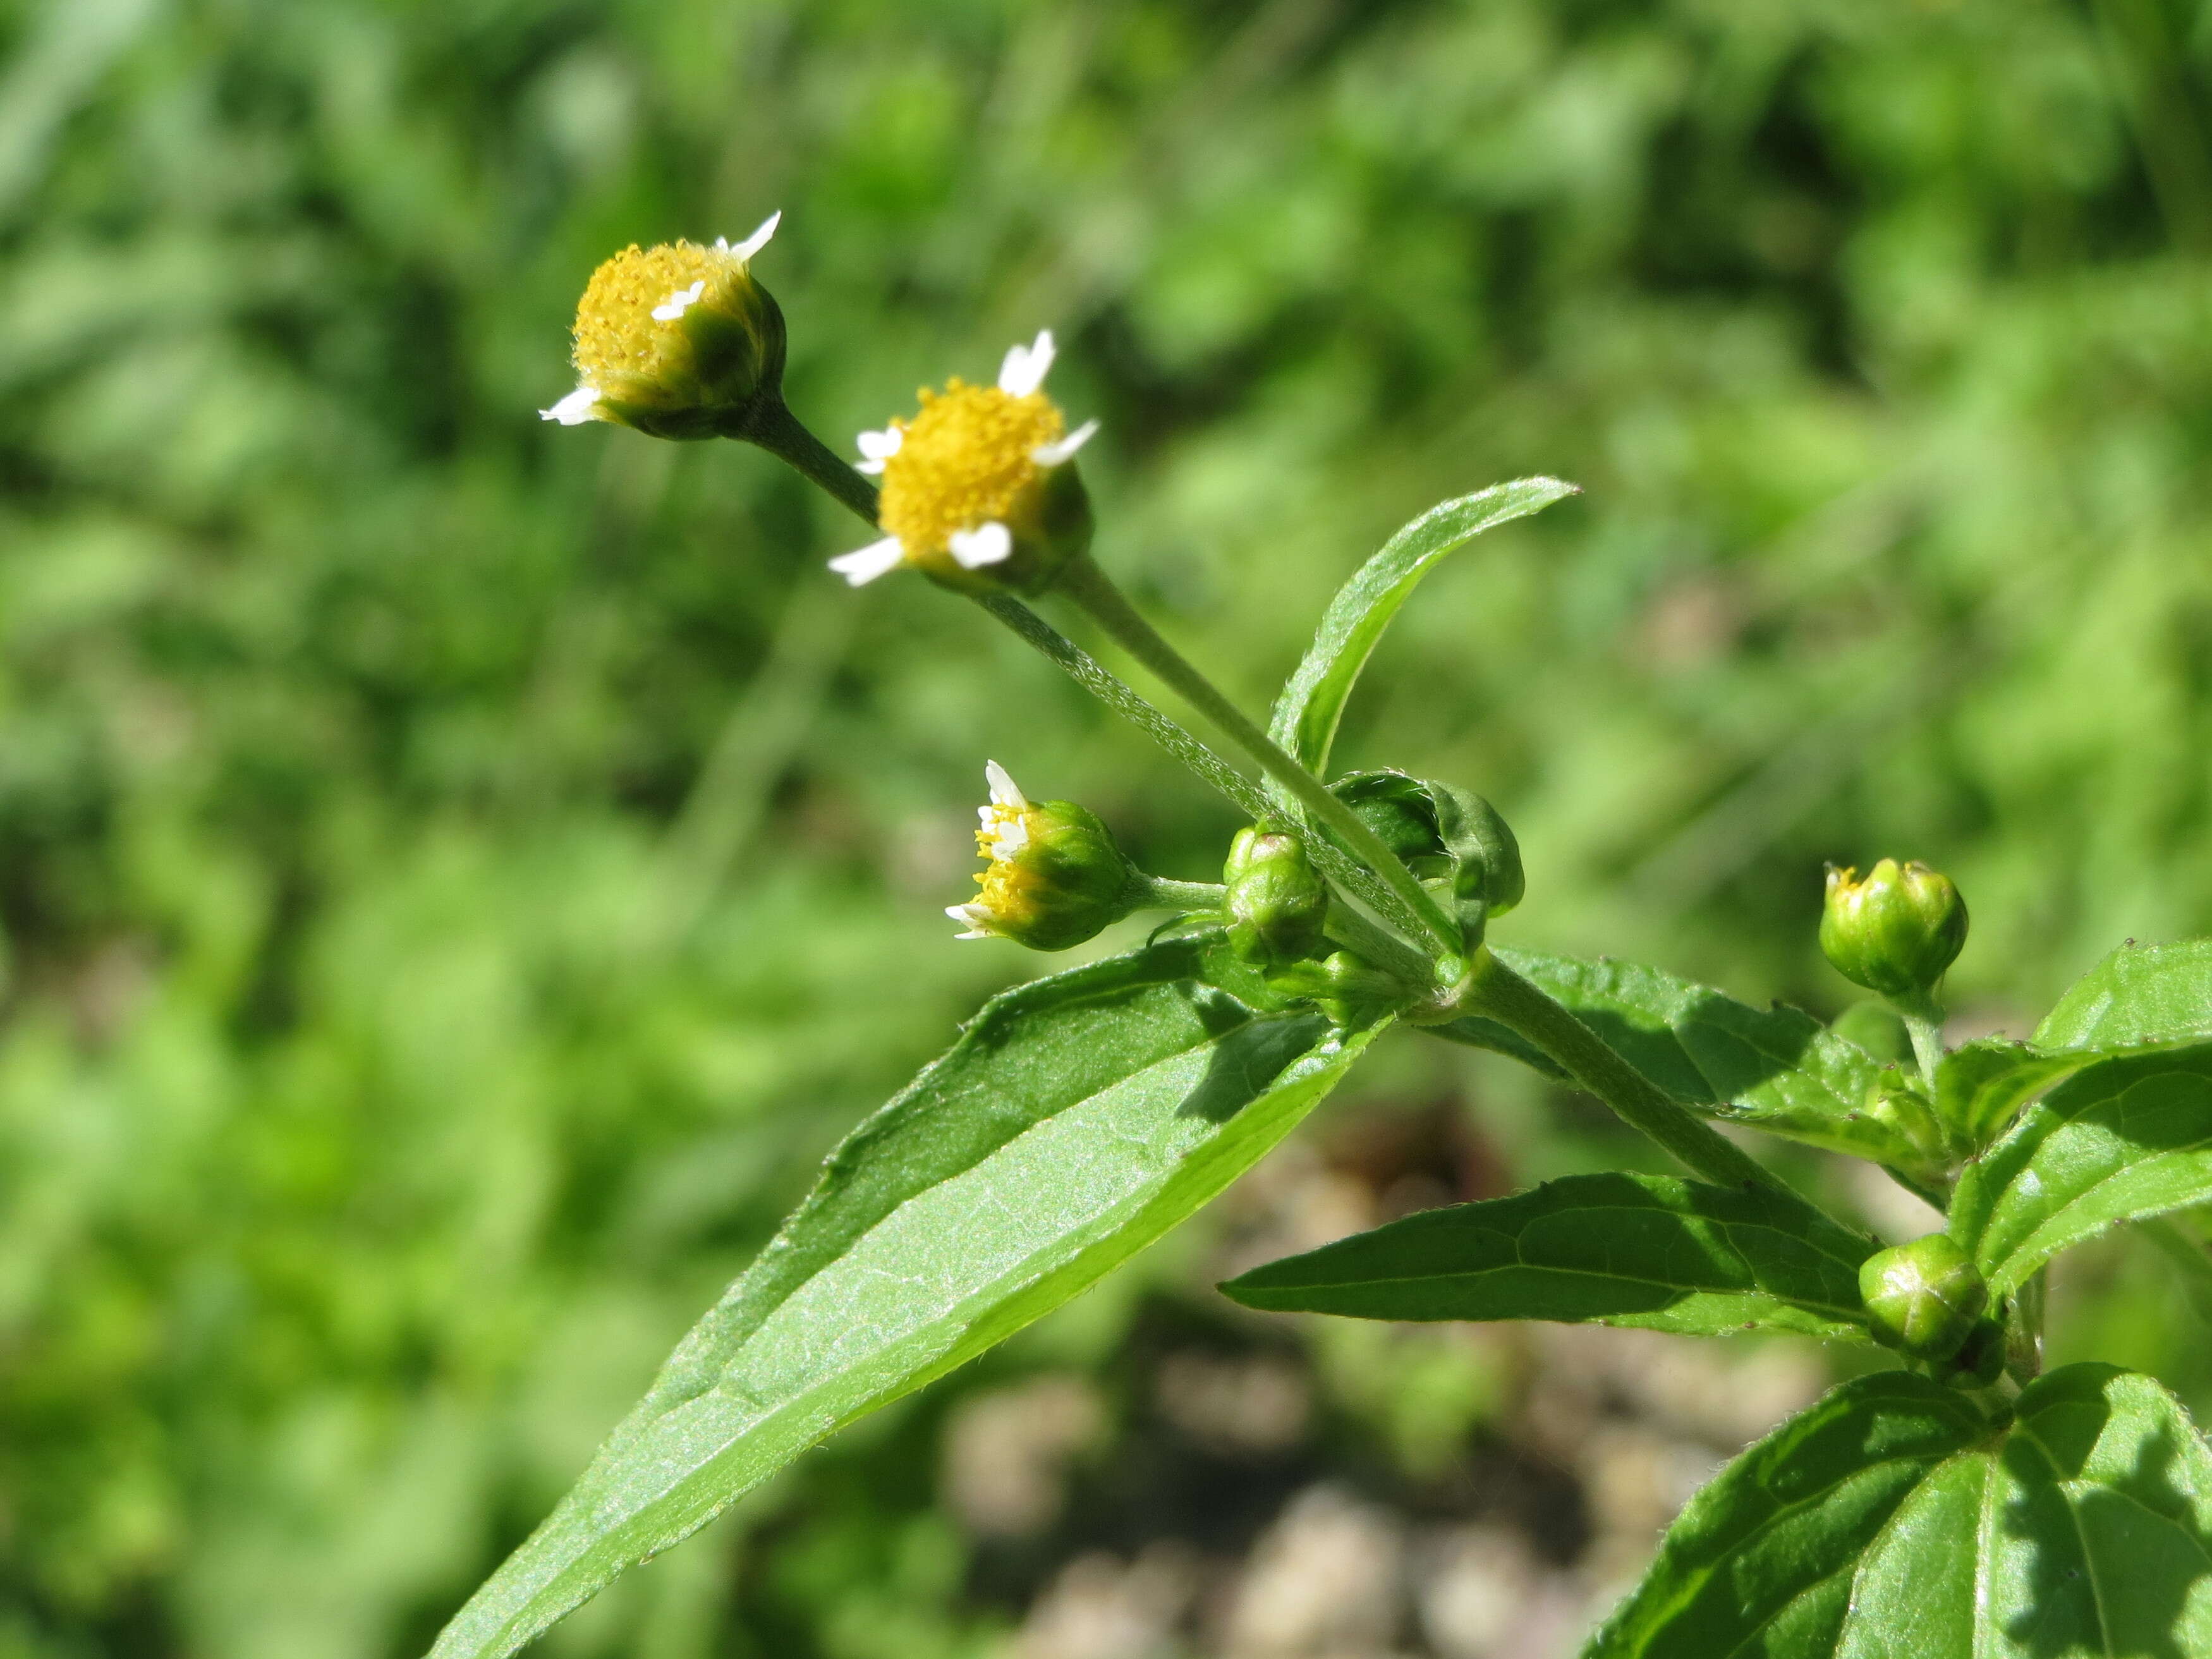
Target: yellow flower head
x: 677, y: 340
x: 1055, y: 877
x: 977, y: 491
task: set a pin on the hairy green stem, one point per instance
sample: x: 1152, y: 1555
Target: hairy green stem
x: 1924, y: 1023
x: 1390, y: 888
x: 1376, y: 943
x: 779, y: 432
x: 1408, y: 903
x: 1495, y: 991
x: 784, y: 436
x: 1245, y: 795
x: 1163, y: 894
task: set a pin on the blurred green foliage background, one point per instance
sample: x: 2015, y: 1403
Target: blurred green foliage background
x: 459, y: 874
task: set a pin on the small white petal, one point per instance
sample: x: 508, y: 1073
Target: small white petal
x: 878, y: 448
x: 1053, y: 454
x: 754, y: 243
x: 574, y: 409
x: 680, y: 302
x: 987, y: 543
x: 1004, y: 790
x: 974, y: 914
x: 864, y: 564
x: 1008, y: 839
x: 1025, y: 367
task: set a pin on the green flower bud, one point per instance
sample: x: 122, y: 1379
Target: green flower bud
x: 1923, y: 1298
x: 1350, y: 991
x: 1897, y: 931
x: 1893, y: 1102
x: 1276, y: 903
x: 1981, y: 1357
x: 1397, y: 807
x: 678, y: 341
x: 1453, y: 839
x: 1055, y: 878
x: 1483, y: 844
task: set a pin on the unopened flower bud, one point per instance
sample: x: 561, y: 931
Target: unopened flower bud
x: 1981, y: 1357
x: 1055, y: 878
x: 1350, y: 990
x: 1923, y: 1298
x: 980, y: 490
x: 1487, y: 852
x: 1893, y: 1102
x: 1897, y: 931
x: 1277, y: 903
x: 678, y: 341
x: 1451, y: 838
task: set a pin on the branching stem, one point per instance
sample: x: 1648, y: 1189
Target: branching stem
x: 1490, y: 987
x: 1093, y: 677
x: 1497, y: 992
x: 1407, y: 902
x: 1162, y: 894
x: 779, y: 432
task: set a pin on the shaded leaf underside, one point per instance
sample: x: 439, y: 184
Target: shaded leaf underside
x: 1076, y: 1120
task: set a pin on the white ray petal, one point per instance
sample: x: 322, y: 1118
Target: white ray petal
x: 864, y: 564
x: 974, y: 914
x: 574, y: 409
x: 680, y: 302
x: 987, y: 544
x: 1025, y: 367
x: 878, y: 448
x: 1005, y: 792
x: 754, y: 243
x: 1053, y: 454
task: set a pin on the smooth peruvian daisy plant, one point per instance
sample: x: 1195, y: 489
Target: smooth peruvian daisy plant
x: 1952, y: 1500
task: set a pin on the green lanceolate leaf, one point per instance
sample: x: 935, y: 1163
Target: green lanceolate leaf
x: 1893, y: 1521
x: 1980, y: 1086
x: 1759, y: 1563
x: 2123, y: 1138
x: 1621, y: 1250
x: 1075, y: 1120
x: 1772, y: 1069
x: 2139, y: 994
x: 1312, y: 701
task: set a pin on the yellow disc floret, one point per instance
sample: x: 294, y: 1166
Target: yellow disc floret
x: 617, y: 334
x: 1011, y: 890
x: 965, y: 460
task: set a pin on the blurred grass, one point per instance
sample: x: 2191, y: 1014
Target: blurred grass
x: 458, y: 874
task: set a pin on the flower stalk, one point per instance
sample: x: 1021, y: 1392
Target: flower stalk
x: 1407, y: 902
x: 1495, y: 992
x: 784, y: 436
